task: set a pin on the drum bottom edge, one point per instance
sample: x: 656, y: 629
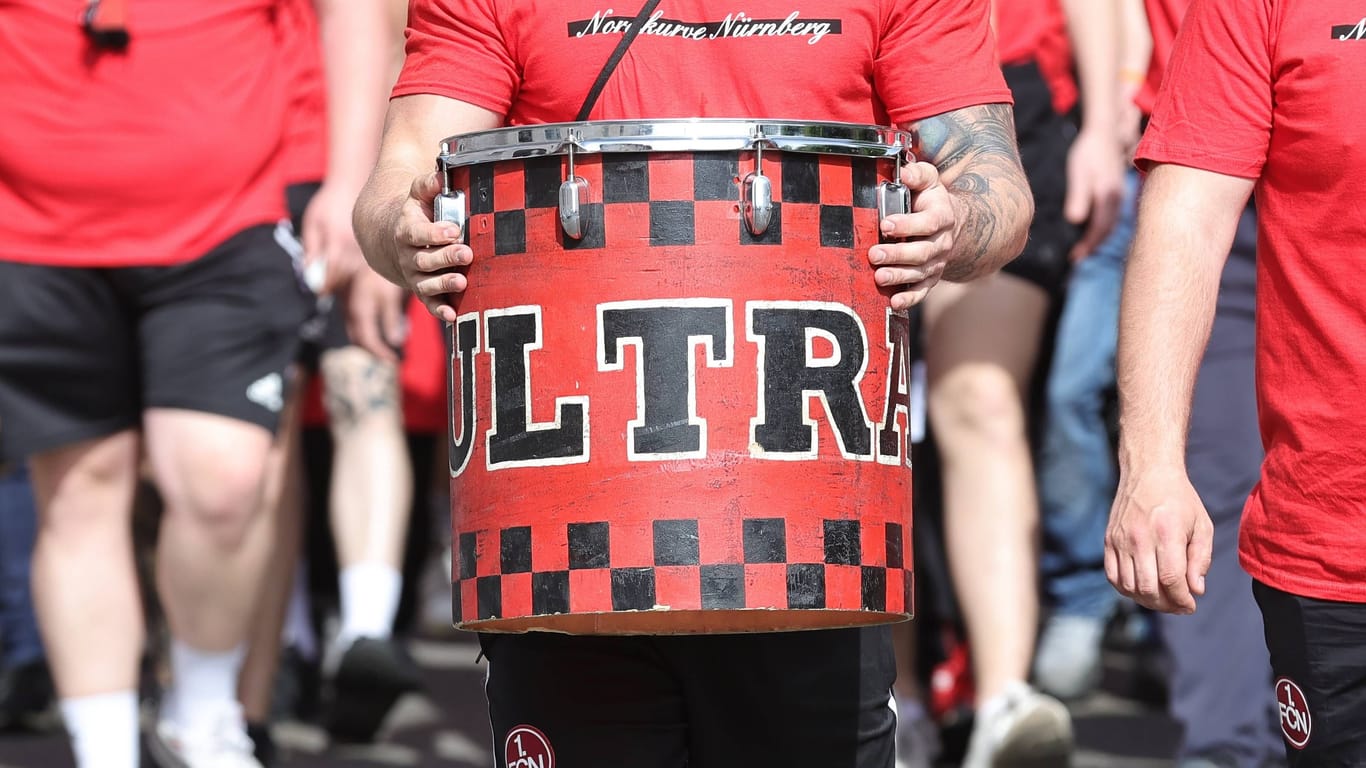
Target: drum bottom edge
x: 687, y: 622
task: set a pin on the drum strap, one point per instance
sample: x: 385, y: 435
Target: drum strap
x: 615, y: 59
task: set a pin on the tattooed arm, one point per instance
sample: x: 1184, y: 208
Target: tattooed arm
x: 972, y: 205
x: 978, y: 160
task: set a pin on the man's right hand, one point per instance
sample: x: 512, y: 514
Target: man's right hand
x: 1159, y: 542
x: 430, y: 256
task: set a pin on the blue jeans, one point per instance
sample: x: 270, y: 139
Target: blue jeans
x: 1077, y: 473
x: 19, y: 639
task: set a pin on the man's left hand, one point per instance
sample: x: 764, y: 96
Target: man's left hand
x: 912, y: 267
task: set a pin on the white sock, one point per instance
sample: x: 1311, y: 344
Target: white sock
x: 298, y: 630
x: 103, y: 729
x: 204, y: 685
x: 369, y: 601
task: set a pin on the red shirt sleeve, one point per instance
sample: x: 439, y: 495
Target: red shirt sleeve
x: 1215, y: 107
x: 447, y: 39
x: 936, y: 56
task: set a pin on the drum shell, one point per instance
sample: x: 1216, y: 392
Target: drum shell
x: 729, y: 537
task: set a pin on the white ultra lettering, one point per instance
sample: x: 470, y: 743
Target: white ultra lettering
x: 1356, y: 33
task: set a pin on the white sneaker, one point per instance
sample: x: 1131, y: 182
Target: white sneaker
x: 221, y: 742
x: 1067, y: 662
x: 1021, y: 728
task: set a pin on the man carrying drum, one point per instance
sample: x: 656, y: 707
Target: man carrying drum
x: 1253, y: 103
x: 794, y: 698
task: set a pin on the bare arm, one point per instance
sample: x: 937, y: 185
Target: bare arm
x: 1135, y: 54
x: 356, y: 51
x: 1158, y: 544
x: 1095, y: 163
x: 978, y: 163
x: 393, y: 217
x: 1185, y: 228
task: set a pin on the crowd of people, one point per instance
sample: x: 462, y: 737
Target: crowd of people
x: 223, y: 374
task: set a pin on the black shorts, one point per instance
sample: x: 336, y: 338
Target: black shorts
x: 1045, y: 138
x: 84, y: 351
x: 1318, y: 658
x: 817, y: 699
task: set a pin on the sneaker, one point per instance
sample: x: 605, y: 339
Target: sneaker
x: 917, y: 737
x: 26, y: 694
x: 223, y: 743
x: 1021, y: 728
x: 370, y: 676
x: 262, y: 743
x: 1067, y: 663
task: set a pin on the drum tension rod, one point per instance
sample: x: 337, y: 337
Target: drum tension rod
x: 449, y: 205
x: 757, y: 202
x: 573, y: 196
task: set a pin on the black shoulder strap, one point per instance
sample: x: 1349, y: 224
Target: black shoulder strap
x: 615, y: 59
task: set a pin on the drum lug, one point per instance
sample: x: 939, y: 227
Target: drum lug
x: 573, y: 196
x: 892, y: 198
x: 757, y: 203
x: 450, y: 207
x: 573, y: 193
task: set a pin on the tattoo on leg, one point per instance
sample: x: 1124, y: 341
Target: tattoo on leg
x: 351, y: 395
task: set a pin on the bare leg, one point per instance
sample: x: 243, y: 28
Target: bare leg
x: 85, y: 592
x: 211, y: 562
x: 982, y: 343
x: 371, y: 478
x: 372, y: 490
x: 212, y: 554
x: 84, y: 581
x: 282, y: 503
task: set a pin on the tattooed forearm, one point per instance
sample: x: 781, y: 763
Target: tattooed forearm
x: 975, y: 151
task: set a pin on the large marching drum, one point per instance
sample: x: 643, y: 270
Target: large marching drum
x: 679, y: 401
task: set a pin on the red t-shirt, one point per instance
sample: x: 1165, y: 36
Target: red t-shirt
x: 306, y: 119
x: 1164, y: 19
x: 1036, y: 30
x: 872, y: 62
x: 150, y: 156
x: 1264, y: 89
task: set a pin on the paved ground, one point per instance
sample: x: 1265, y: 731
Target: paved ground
x: 447, y: 729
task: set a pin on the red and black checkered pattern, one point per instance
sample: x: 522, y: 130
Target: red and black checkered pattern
x: 688, y: 564
x: 667, y: 199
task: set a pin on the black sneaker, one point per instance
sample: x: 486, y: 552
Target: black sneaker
x: 296, y: 691
x: 370, y: 677
x: 263, y: 743
x: 26, y: 695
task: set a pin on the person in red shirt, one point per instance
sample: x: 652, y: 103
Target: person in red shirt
x: 146, y: 308
x: 925, y: 64
x: 1219, y: 665
x: 332, y: 133
x: 1253, y: 102
x: 981, y: 345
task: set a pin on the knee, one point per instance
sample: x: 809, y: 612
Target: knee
x: 221, y: 500
x: 983, y: 404
x: 86, y: 491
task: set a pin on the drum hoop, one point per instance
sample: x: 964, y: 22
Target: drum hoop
x: 675, y: 135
